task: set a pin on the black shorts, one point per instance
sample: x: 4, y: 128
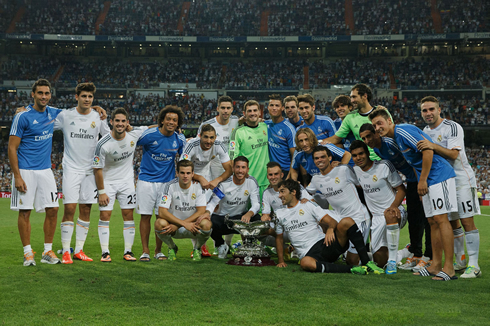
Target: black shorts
x: 330, y: 254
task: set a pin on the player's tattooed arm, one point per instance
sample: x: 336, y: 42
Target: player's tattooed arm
x: 280, y: 251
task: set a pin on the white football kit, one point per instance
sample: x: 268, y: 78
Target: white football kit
x: 115, y: 158
x: 223, y: 134
x: 301, y: 222
x: 378, y: 184
x: 80, y: 135
x: 203, y: 159
x: 450, y: 135
x: 237, y: 198
x: 271, y: 201
x: 339, y: 188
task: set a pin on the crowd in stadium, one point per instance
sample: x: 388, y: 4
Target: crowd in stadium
x: 426, y: 73
x: 239, y: 18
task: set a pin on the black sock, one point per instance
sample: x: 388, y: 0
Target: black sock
x: 326, y: 267
x: 355, y: 236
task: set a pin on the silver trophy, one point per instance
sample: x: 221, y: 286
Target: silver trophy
x: 252, y: 252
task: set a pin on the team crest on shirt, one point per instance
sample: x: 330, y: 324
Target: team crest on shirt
x: 375, y: 179
x: 246, y: 193
x: 164, y: 199
x: 439, y: 139
x: 174, y: 144
x: 263, y: 131
x: 391, y: 152
x: 20, y: 201
x: 212, y: 157
x: 301, y: 212
x: 279, y: 132
x: 337, y: 180
x: 96, y: 160
x: 185, y: 157
x: 193, y: 196
x: 319, y: 129
x: 132, y: 143
x: 92, y: 125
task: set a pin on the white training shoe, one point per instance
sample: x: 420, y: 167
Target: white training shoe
x: 403, y: 253
x: 424, y: 262
x: 459, y: 265
x: 471, y: 272
x: 410, y: 263
x: 223, y: 251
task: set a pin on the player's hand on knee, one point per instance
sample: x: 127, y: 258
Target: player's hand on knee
x: 191, y: 227
x: 282, y: 265
x: 20, y: 185
x: 103, y: 200
x: 170, y: 229
x: 329, y: 237
x: 204, y: 216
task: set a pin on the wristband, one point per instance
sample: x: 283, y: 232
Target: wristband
x: 101, y: 191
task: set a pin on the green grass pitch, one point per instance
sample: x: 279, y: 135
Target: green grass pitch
x: 185, y: 292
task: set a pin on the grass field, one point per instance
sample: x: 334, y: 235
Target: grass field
x: 185, y: 292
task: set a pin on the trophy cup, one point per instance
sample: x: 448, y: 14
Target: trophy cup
x: 251, y: 253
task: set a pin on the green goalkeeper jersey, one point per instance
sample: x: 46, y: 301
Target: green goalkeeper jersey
x: 254, y: 145
x: 353, y: 122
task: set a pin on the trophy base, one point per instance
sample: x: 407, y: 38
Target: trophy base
x: 254, y: 261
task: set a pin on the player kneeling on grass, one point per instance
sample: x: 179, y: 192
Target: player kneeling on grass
x: 233, y: 197
x: 179, y: 215
x: 317, y: 250
x: 384, y: 192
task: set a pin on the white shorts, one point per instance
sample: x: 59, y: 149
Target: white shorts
x: 41, y: 191
x: 148, y: 196
x: 183, y: 233
x: 123, y: 192
x: 441, y: 198
x: 79, y: 188
x: 378, y: 229
x: 468, y: 205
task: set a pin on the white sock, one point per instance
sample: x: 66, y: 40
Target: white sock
x: 459, y: 244
x: 392, y: 237
x: 104, y: 235
x: 167, y: 239
x: 228, y: 239
x: 128, y: 236
x: 81, y: 234
x: 194, y: 242
x: 27, y: 249
x: 48, y: 247
x: 201, y: 238
x: 473, y: 247
x: 66, y: 234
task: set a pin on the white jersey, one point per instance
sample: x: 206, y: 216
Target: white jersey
x: 237, y: 197
x: 301, y: 222
x: 339, y: 188
x: 223, y: 134
x: 182, y: 203
x: 270, y: 199
x: 378, y: 184
x: 80, y: 135
x: 115, y: 157
x: 202, y: 159
x: 450, y: 135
